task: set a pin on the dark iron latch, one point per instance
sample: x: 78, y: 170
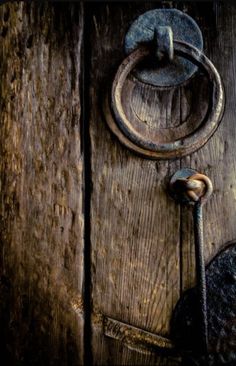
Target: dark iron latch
x: 203, y: 323
x: 163, y: 43
x: 191, y: 187
x: 159, y: 27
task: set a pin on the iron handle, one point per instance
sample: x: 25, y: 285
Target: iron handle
x: 154, y: 148
x: 157, y: 35
x: 191, y: 187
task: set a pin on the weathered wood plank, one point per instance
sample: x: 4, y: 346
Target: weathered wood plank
x: 130, y: 230
x: 41, y: 170
x: 134, y: 223
x: 217, y: 158
x: 142, y: 244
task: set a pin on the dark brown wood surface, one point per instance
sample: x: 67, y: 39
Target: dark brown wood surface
x: 217, y: 158
x: 41, y: 170
x: 66, y: 181
x: 141, y: 242
x: 135, y: 249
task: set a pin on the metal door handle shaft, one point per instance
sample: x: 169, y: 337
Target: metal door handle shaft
x: 188, y: 186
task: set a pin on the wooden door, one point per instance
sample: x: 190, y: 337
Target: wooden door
x: 94, y: 252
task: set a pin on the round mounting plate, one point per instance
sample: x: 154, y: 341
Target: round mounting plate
x: 184, y: 29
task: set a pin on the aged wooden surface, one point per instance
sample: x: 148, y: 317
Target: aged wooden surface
x: 142, y: 253
x: 135, y: 249
x: 217, y: 158
x: 142, y: 243
x: 41, y: 169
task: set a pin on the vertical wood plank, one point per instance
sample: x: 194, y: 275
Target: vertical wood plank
x: 122, y: 243
x: 134, y: 223
x: 217, y: 158
x: 41, y: 171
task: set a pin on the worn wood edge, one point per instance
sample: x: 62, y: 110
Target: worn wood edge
x: 134, y: 337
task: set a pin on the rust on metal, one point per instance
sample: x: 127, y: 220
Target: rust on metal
x: 189, y: 186
x: 205, y: 189
x: 155, y: 147
x: 196, y: 187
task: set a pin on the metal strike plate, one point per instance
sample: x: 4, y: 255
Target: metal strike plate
x: 150, y: 25
x: 221, y: 313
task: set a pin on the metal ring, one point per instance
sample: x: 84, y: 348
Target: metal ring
x: 198, y: 177
x: 189, y: 143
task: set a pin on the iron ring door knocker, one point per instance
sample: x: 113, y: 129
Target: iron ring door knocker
x: 187, y: 144
x: 173, y: 37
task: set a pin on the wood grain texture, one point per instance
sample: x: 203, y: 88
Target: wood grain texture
x: 142, y: 245
x: 142, y: 250
x: 41, y: 170
x: 217, y: 158
x: 135, y: 248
